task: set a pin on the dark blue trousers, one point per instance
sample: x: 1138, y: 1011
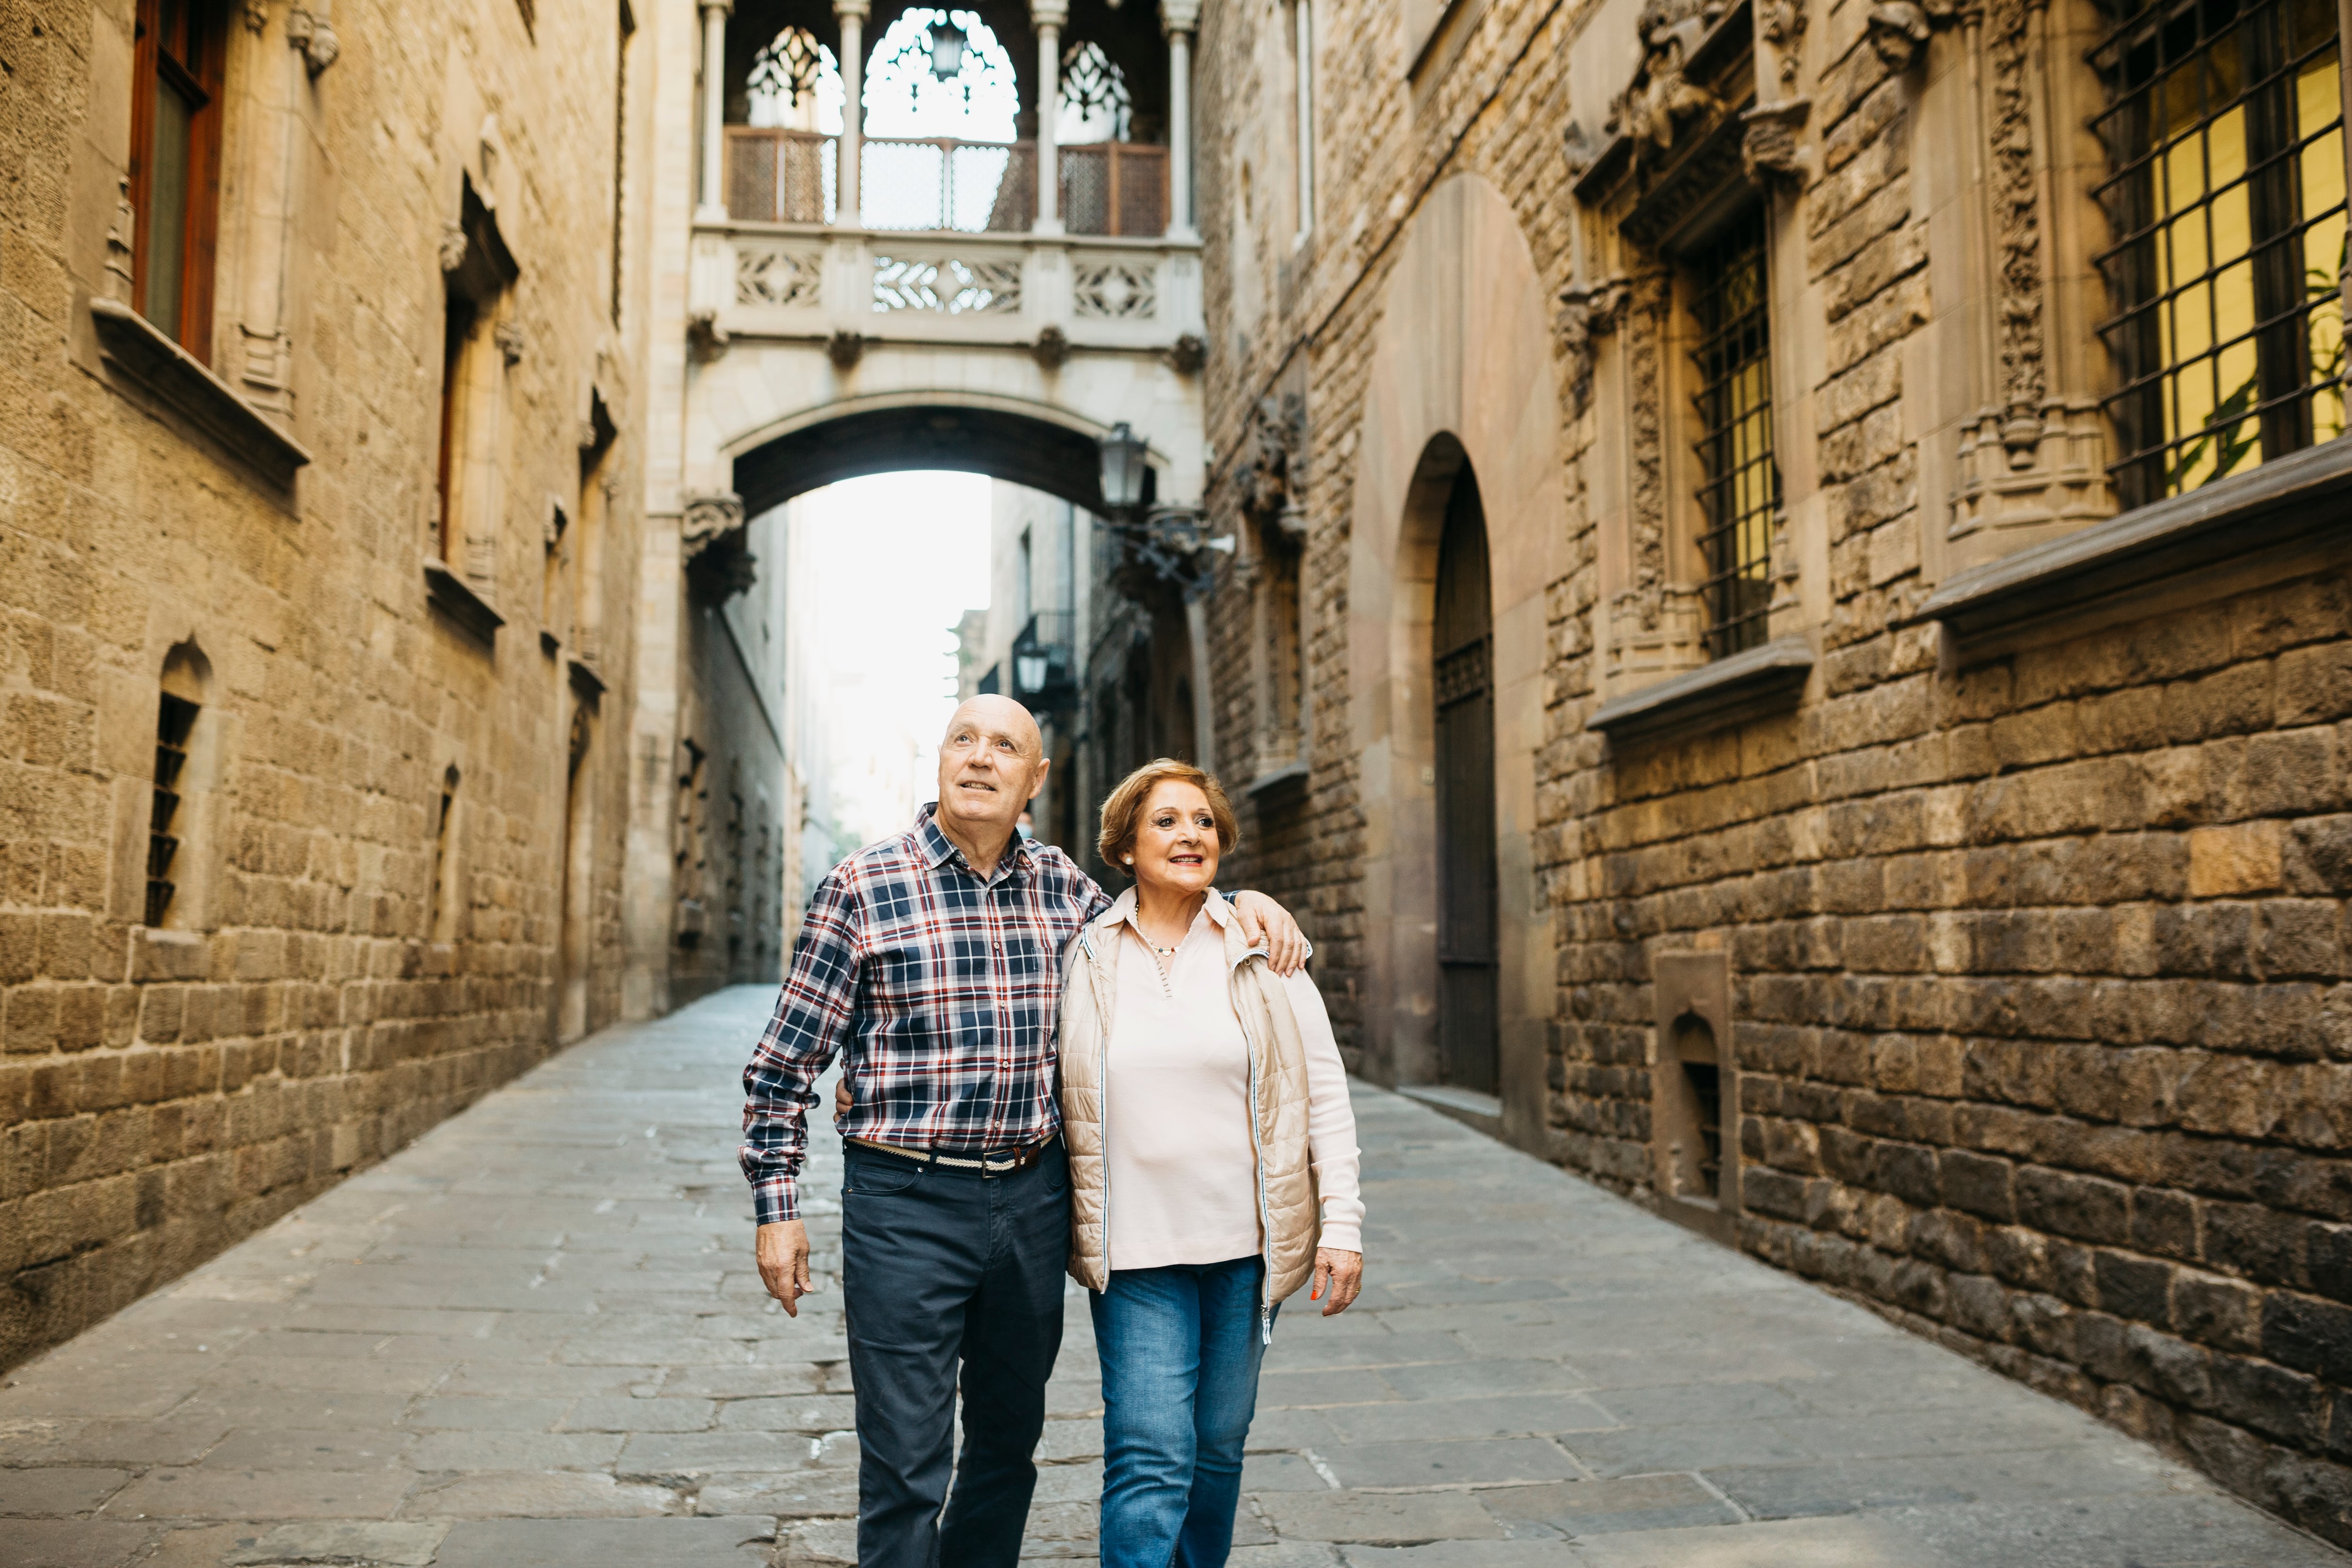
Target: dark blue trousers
x: 947, y: 1273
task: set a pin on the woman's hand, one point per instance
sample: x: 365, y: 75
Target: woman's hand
x: 1339, y: 1276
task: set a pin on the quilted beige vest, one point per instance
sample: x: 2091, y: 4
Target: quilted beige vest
x: 1290, y: 1212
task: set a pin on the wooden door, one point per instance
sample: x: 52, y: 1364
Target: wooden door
x: 1462, y: 644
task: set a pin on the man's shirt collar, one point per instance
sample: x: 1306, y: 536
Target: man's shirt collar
x: 938, y: 849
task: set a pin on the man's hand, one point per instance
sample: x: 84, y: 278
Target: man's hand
x: 1268, y: 925
x: 842, y: 1101
x: 782, y: 1251
x: 1339, y: 1276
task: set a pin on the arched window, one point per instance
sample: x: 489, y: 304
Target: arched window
x: 796, y: 85
x: 905, y: 97
x: 186, y: 674
x: 441, y: 912
x: 1096, y: 105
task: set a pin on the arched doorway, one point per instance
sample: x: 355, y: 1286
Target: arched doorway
x: 1462, y: 682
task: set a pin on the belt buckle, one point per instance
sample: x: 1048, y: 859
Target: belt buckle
x: 1021, y: 1160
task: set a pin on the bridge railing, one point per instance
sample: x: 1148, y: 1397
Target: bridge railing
x: 942, y: 185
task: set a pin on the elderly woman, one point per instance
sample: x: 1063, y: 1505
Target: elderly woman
x: 1212, y: 1167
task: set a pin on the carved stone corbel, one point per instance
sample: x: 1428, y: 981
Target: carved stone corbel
x: 311, y: 29
x: 1769, y: 151
x: 1899, y: 29
x: 1189, y: 354
x: 513, y: 343
x: 845, y: 349
x: 711, y: 538
x: 1052, y: 349
x: 1265, y: 483
x: 453, y: 245
x: 705, y: 338
x: 1588, y: 312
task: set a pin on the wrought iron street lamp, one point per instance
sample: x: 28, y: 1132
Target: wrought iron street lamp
x: 948, y: 42
x: 1123, y: 468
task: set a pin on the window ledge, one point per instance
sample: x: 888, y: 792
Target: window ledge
x: 2254, y: 523
x: 1723, y: 690
x: 1275, y: 778
x: 139, y: 349
x: 459, y: 602
x: 585, y: 679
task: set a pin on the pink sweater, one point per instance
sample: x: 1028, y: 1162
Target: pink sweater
x: 1182, y: 1170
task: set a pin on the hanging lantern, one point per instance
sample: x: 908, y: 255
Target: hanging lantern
x: 1123, y: 455
x: 948, y: 42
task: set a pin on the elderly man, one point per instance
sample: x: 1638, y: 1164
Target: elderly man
x: 932, y: 960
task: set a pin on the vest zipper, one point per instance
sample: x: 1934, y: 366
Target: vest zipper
x: 1102, y: 1087
x: 1257, y: 1149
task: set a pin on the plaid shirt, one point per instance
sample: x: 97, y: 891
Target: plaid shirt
x: 941, y: 986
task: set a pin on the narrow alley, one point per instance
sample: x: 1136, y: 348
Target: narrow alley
x: 534, y: 1340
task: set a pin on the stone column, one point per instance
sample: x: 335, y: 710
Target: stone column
x: 1305, y: 98
x: 713, y: 207
x: 1048, y: 17
x: 1180, y: 19
x: 849, y: 199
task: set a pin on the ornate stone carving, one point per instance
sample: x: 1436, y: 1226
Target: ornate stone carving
x: 1115, y: 291
x: 709, y: 518
x: 1769, y: 151
x: 1264, y: 481
x: 845, y: 349
x: 311, y: 29
x: 949, y: 285
x: 711, y: 538
x: 775, y: 277
x: 1189, y: 356
x: 1660, y: 97
x: 1577, y: 149
x: 1644, y: 329
x: 512, y: 340
x: 2017, y: 229
x: 1052, y: 349
x: 705, y: 338
x: 1782, y: 25
x: 1585, y: 313
x: 1899, y: 29
x: 453, y: 245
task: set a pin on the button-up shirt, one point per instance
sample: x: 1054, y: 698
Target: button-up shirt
x: 942, y: 988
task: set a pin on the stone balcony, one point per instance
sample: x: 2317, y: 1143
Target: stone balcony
x: 949, y: 252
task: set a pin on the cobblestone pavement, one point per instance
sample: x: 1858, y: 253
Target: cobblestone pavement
x: 534, y: 1340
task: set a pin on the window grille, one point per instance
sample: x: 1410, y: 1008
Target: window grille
x: 172, y: 724
x: 2225, y: 132
x: 1741, y: 495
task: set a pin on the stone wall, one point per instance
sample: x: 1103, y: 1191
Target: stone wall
x: 308, y: 1005
x: 2036, y: 951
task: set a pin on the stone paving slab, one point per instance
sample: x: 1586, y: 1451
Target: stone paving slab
x: 535, y: 1338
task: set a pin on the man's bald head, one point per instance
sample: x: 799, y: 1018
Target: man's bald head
x: 992, y: 715
x: 992, y: 765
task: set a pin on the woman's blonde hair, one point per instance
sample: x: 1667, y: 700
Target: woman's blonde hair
x: 1124, y: 809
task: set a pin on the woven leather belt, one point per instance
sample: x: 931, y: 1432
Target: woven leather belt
x: 990, y: 1166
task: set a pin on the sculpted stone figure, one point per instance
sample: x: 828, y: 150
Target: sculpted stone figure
x: 1660, y: 96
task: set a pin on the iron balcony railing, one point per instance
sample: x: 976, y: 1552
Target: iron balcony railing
x: 1045, y: 659
x: 1117, y: 188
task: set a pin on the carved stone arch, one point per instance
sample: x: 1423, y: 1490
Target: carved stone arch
x: 1462, y: 371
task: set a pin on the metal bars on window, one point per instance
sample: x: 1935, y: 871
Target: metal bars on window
x: 1740, y: 492
x: 172, y: 724
x: 2224, y: 133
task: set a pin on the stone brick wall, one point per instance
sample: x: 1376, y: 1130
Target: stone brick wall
x: 2038, y: 958
x: 164, y: 1093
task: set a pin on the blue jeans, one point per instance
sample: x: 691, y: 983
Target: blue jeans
x: 1179, y: 1352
